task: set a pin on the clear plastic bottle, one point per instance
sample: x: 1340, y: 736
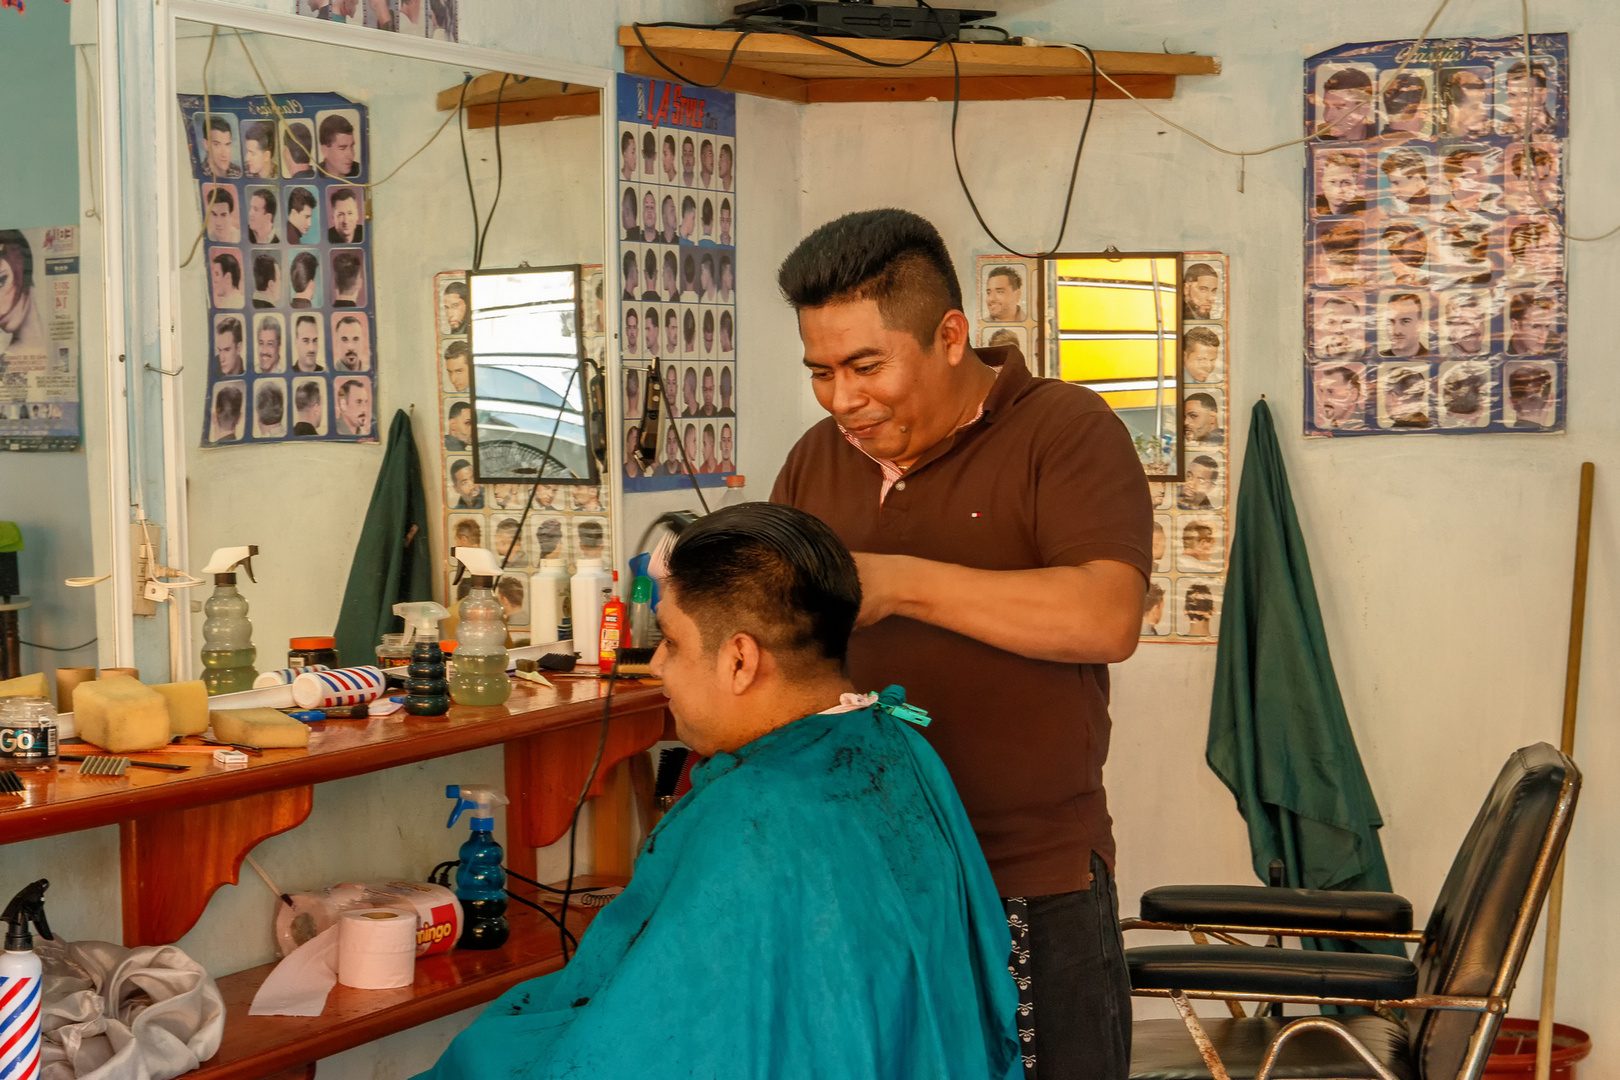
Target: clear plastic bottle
x: 228, y: 651
x: 549, y: 612
x: 480, y: 677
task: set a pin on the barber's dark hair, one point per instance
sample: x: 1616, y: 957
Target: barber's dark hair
x: 774, y: 573
x: 891, y: 256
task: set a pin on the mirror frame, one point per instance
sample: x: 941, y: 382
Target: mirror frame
x: 1051, y: 358
x: 285, y: 24
x: 582, y: 378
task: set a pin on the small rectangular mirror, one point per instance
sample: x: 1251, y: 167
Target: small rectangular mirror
x: 1116, y: 318
x: 529, y: 383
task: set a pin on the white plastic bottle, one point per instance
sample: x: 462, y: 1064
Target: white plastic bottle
x: 548, y: 618
x: 591, y: 586
x: 21, y: 981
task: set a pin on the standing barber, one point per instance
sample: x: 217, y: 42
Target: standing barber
x: 1001, y: 524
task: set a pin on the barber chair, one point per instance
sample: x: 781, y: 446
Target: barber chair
x: 1452, y: 995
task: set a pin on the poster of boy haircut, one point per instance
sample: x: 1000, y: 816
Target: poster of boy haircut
x: 1434, y: 218
x: 39, y: 339
x: 309, y: 247
x: 678, y: 246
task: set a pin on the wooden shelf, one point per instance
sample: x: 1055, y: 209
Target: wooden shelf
x: 523, y: 100
x: 61, y: 801
x: 214, y: 815
x: 792, y: 69
x: 261, y: 1046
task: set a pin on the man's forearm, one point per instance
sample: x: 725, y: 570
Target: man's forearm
x: 1088, y: 614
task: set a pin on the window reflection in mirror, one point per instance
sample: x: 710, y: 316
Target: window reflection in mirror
x: 1117, y: 322
x: 529, y: 381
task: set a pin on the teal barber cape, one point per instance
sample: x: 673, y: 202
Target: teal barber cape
x: 817, y: 905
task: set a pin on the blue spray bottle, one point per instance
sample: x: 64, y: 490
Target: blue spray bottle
x: 480, y: 881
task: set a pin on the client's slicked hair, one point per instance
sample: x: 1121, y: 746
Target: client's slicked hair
x: 891, y: 256
x: 774, y: 573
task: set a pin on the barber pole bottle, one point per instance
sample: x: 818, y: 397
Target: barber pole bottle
x: 20, y: 978
x: 20, y: 985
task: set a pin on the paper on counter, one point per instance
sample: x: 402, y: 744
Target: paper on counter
x: 299, y: 984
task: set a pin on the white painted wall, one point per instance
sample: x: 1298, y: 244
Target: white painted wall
x: 1443, y: 565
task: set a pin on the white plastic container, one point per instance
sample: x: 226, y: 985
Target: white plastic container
x: 549, y: 610
x: 590, y: 588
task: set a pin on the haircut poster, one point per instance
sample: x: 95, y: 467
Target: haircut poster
x: 39, y: 339
x: 292, y: 334
x: 538, y: 532
x: 1436, y: 297
x: 437, y: 20
x: 676, y: 276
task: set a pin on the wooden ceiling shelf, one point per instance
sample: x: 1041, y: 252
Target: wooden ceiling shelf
x: 522, y: 100
x: 790, y: 68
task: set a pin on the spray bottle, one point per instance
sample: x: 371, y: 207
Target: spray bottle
x: 480, y: 881
x: 615, y: 627
x: 20, y: 979
x: 228, y: 651
x: 427, y: 692
x: 480, y: 677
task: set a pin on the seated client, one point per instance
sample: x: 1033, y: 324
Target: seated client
x: 817, y: 904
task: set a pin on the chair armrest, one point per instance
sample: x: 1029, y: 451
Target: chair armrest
x: 1293, y: 909
x: 1246, y: 969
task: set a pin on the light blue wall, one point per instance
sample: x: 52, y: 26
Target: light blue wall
x: 48, y: 495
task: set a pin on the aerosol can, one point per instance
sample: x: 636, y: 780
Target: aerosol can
x: 480, y: 880
x: 480, y: 677
x: 21, y: 983
x: 228, y: 651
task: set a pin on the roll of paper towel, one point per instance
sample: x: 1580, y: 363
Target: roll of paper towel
x: 376, y: 949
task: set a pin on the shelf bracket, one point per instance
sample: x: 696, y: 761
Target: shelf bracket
x: 173, y: 862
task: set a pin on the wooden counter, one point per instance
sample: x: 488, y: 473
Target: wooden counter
x: 219, y: 814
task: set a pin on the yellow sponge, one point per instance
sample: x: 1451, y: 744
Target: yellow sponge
x: 264, y: 728
x: 120, y: 715
x: 28, y: 686
x: 188, y: 706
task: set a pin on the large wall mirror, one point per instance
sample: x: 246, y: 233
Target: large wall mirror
x: 347, y: 214
x: 530, y: 383
x: 1116, y: 322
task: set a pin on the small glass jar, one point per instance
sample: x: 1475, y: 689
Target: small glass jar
x: 393, y: 652
x: 28, y: 733
x: 312, y: 651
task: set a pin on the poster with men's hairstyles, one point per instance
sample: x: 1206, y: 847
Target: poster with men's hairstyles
x: 435, y: 19
x: 1436, y: 298
x: 537, y: 532
x: 292, y: 318
x: 39, y: 339
x: 676, y: 279
x: 1191, y: 518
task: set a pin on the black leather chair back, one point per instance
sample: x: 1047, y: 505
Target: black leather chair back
x: 1470, y: 946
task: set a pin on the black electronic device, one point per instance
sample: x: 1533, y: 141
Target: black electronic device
x: 861, y: 18
x: 646, y: 449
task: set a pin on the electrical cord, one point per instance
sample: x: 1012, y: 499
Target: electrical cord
x: 500, y: 176
x: 579, y: 804
x: 56, y: 648
x: 466, y: 165
x: 691, y: 472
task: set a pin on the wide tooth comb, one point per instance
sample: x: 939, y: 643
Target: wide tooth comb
x: 104, y: 765
x: 10, y: 783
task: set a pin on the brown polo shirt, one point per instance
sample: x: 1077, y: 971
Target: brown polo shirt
x: 1047, y: 476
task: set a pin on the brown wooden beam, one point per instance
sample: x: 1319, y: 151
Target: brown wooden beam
x: 1022, y: 88
x: 535, y: 111
x: 743, y: 80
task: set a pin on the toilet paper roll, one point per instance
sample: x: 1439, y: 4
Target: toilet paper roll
x: 376, y: 949
x: 67, y: 681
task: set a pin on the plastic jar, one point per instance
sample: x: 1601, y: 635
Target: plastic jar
x: 393, y: 652
x: 312, y: 652
x: 27, y: 733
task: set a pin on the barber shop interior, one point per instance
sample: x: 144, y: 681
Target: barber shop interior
x: 788, y: 539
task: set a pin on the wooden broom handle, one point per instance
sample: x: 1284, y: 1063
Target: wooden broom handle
x: 1572, y: 694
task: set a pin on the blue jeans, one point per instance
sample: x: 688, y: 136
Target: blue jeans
x: 1074, y: 996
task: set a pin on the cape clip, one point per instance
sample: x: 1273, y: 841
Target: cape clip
x: 911, y: 714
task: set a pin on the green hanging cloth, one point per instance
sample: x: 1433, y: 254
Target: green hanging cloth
x: 1278, y: 734
x: 392, y: 562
